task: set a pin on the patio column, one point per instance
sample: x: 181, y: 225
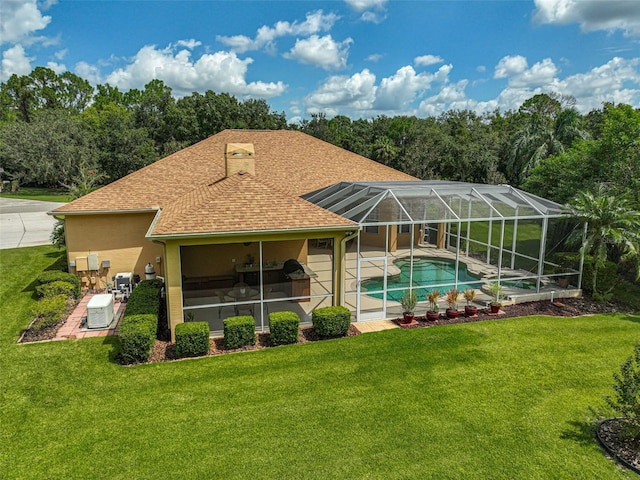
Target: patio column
x: 543, y: 244
x: 173, y: 285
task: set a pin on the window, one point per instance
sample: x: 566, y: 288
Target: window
x: 404, y: 228
x: 371, y: 229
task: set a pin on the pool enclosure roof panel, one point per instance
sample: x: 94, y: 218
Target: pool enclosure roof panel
x: 430, y: 200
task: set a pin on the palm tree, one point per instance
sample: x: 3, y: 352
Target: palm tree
x: 611, y: 223
x: 384, y: 150
x: 547, y: 132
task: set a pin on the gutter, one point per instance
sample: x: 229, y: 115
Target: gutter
x: 55, y: 214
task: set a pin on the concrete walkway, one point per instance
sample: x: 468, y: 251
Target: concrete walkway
x: 25, y: 223
x: 375, y: 326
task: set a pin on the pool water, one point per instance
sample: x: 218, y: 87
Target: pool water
x: 426, y: 271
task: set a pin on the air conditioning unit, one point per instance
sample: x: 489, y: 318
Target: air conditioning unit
x: 100, y: 311
x: 123, y: 282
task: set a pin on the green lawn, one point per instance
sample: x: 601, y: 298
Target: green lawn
x: 42, y: 194
x: 501, y: 399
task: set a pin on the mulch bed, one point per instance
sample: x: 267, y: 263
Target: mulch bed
x: 166, y: 351
x: 567, y: 307
x: 610, y: 433
x: 33, y: 333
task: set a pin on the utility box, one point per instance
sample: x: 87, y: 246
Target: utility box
x: 100, y: 311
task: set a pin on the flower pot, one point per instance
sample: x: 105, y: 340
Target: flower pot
x: 433, y: 316
x: 563, y: 282
x: 452, y: 313
x: 494, y: 307
x: 407, y: 317
x: 470, y: 310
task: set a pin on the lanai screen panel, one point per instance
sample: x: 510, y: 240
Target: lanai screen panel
x: 430, y: 200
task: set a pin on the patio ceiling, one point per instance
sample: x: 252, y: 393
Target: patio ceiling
x: 430, y: 201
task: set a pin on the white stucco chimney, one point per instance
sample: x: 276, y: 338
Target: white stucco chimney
x: 239, y: 157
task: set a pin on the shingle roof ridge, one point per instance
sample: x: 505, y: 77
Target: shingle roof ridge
x: 215, y: 196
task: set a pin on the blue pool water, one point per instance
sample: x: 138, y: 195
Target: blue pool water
x: 426, y: 271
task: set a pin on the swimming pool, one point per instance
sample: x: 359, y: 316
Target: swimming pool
x: 426, y: 271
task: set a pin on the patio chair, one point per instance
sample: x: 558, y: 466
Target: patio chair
x: 222, y: 298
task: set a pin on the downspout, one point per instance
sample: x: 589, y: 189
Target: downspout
x: 343, y: 267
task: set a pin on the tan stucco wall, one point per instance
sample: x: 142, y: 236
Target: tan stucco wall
x: 119, y: 238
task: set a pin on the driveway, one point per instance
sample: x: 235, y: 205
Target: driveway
x: 25, y: 223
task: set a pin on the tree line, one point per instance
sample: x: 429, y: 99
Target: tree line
x: 58, y: 130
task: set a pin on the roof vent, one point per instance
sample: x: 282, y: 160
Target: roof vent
x: 239, y: 157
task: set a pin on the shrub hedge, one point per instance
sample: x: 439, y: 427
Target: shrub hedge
x: 283, y: 327
x: 139, y: 325
x: 331, y: 321
x: 145, y: 298
x: 607, y: 274
x: 239, y: 331
x: 137, y: 333
x: 49, y: 311
x: 192, y: 339
x: 55, y: 288
x: 49, y: 276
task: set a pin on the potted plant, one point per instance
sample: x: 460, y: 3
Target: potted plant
x: 563, y: 279
x: 452, y: 300
x: 408, y: 301
x: 432, y: 313
x: 495, y: 290
x: 470, y: 295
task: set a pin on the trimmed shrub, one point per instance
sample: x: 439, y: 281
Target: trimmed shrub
x: 607, y: 274
x: 192, y: 339
x: 137, y: 334
x: 49, y: 311
x: 58, y: 275
x: 606, y: 281
x: 53, y: 289
x: 239, y: 331
x: 139, y: 325
x: 626, y: 401
x: 331, y: 321
x: 145, y: 298
x: 283, y: 327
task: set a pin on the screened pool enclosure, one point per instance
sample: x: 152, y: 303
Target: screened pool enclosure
x: 427, y: 235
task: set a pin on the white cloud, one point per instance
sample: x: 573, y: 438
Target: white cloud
x: 516, y: 69
x: 60, y: 54
x: 19, y: 19
x: 510, y: 65
x: 190, y: 44
x: 57, y: 67
x: 373, y: 11
x: 356, y: 92
x: 314, y: 22
x: 374, y: 57
x: 426, y: 60
x: 591, y: 15
x: 220, y: 71
x: 361, y: 96
x: 362, y: 5
x: 321, y: 51
x: 15, y: 60
x: 90, y: 73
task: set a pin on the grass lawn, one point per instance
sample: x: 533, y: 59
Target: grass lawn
x: 42, y: 194
x: 501, y: 399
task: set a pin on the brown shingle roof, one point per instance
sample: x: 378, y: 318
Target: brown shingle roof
x: 242, y: 203
x: 294, y: 161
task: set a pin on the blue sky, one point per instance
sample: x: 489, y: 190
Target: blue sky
x: 359, y: 58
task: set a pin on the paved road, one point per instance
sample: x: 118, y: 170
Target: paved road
x: 25, y: 223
